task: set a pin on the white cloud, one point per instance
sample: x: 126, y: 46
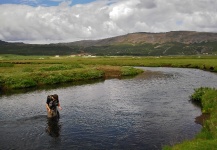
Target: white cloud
x: 104, y: 18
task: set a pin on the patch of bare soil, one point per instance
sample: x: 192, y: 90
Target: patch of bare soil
x: 111, y: 71
x: 202, y: 118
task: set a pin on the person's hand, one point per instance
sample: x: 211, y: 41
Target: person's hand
x: 60, y: 108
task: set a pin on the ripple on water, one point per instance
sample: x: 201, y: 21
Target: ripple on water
x: 148, y: 111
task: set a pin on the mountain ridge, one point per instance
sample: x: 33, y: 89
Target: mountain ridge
x: 139, y: 43
x: 185, y: 37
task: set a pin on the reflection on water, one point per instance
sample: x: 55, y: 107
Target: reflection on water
x: 53, y: 127
x: 47, y: 87
x: 144, y: 112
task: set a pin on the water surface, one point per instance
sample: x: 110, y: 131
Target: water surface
x: 145, y: 112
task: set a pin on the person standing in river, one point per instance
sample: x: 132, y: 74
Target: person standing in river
x: 51, y: 105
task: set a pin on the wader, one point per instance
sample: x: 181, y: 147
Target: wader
x: 53, y: 113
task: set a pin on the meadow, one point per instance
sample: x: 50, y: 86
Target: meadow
x: 31, y: 71
x: 18, y: 72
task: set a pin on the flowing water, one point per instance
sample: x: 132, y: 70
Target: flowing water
x: 144, y: 112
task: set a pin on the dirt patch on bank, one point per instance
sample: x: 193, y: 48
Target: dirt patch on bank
x: 202, y: 118
x: 111, y: 71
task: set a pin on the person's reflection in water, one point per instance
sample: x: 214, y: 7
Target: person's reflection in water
x: 53, y: 127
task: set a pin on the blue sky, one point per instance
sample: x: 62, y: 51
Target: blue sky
x: 34, y: 21
x: 44, y: 2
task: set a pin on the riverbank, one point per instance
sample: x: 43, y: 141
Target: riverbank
x: 207, y: 138
x: 27, y: 75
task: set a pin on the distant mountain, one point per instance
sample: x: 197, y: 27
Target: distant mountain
x: 3, y: 42
x: 139, y: 44
x: 186, y: 37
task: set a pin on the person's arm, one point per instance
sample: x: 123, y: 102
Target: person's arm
x: 59, y: 106
x: 48, y: 108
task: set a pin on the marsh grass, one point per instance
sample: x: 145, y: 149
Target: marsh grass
x: 28, y: 69
x: 32, y: 73
x: 24, y: 71
x: 36, y: 78
x: 198, y: 93
x: 207, y: 138
x: 6, y: 65
x: 61, y: 67
x: 129, y: 71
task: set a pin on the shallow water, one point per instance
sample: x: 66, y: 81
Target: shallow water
x: 145, y: 112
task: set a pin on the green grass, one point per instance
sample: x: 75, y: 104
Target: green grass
x: 207, y: 138
x: 32, y: 79
x: 21, y: 57
x: 30, y: 71
x: 6, y: 65
x: 200, y: 62
x: 34, y: 76
x: 126, y: 71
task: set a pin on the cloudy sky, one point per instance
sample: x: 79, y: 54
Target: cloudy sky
x: 49, y: 21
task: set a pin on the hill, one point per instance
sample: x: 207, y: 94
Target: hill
x: 186, y: 37
x: 135, y: 44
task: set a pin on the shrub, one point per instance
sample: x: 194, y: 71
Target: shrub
x: 209, y: 100
x: 19, y: 82
x: 129, y: 71
x: 198, y: 93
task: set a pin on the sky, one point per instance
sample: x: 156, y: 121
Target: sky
x: 54, y: 21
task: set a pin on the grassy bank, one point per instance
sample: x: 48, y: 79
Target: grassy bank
x: 25, y: 75
x: 25, y: 71
x: 200, y: 62
x: 207, y: 138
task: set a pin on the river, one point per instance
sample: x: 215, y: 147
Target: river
x: 145, y: 112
